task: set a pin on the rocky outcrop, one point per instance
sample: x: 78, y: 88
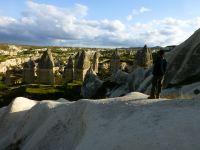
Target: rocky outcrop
x: 144, y: 58
x: 189, y: 91
x: 68, y: 74
x: 125, y: 123
x: 82, y: 66
x: 45, y: 71
x: 28, y: 74
x: 115, y: 63
x: 91, y: 84
x: 121, y: 83
x: 137, y: 79
x: 183, y: 61
x: 95, y: 62
x: 46, y: 61
x: 120, y: 77
x: 77, y: 56
x: 13, y: 62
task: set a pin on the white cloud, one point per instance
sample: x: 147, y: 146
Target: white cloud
x: 50, y: 25
x: 129, y: 17
x: 111, y: 25
x: 4, y: 21
x: 144, y: 9
x: 137, y: 12
x: 80, y: 10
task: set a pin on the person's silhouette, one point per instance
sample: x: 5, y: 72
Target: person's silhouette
x: 159, y: 70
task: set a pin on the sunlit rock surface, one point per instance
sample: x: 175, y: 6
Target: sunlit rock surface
x: 122, y: 123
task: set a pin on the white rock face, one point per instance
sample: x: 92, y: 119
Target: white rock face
x: 3, y: 52
x: 13, y: 62
x: 125, y: 123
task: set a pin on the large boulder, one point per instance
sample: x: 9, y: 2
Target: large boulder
x: 183, y: 62
x: 123, y: 83
x: 91, y: 84
x: 120, y: 77
x: 139, y: 79
x: 119, y: 86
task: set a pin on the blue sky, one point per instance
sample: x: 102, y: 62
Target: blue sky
x: 111, y: 23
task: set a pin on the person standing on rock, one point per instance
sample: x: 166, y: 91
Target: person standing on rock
x: 159, y: 70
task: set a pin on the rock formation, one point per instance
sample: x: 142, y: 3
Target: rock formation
x: 144, y: 58
x: 140, y: 79
x: 120, y: 77
x: 115, y: 62
x: 45, y: 72
x: 91, y: 84
x: 28, y: 75
x: 13, y: 63
x: 82, y: 66
x: 95, y: 62
x: 8, y: 76
x: 183, y: 61
x: 13, y: 76
x: 77, y: 56
x: 122, y: 123
x: 68, y: 71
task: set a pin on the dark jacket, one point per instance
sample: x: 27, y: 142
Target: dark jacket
x: 160, y: 66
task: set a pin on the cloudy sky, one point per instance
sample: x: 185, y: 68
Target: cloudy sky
x: 102, y: 23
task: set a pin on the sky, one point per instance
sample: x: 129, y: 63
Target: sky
x: 105, y: 23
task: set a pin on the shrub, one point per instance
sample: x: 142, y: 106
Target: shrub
x: 196, y: 91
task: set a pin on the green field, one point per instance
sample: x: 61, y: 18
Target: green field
x: 70, y: 91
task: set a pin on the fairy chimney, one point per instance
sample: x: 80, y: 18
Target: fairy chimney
x: 68, y: 71
x: 95, y: 62
x: 28, y: 75
x: 144, y: 57
x: 46, y: 68
x: 82, y: 66
x: 8, y: 76
x: 115, y: 62
x: 77, y: 56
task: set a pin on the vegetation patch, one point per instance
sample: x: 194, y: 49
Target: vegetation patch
x: 196, y: 91
x: 41, y: 90
x: 69, y: 91
x: 4, y: 57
